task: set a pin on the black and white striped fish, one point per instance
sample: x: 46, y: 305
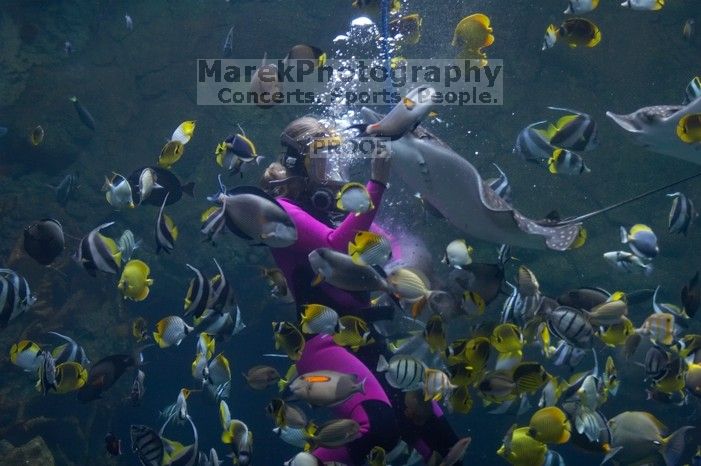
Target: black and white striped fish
x: 566, y: 354
x: 402, y: 371
x: 71, y: 351
x: 571, y: 325
x: 187, y: 455
x: 213, y: 222
x: 222, y: 324
x: 166, y: 231
x: 501, y: 185
x: 682, y: 214
x: 532, y: 144
x: 566, y: 162
x: 9, y: 305
x: 147, y: 445
x: 507, y: 310
x: 97, y: 252
x: 577, y: 132
x: 15, y: 296
x: 520, y: 308
x: 221, y: 294
x: 47, y: 373
x: 214, y: 218
x: 198, y: 293
x: 503, y: 254
x: 127, y: 243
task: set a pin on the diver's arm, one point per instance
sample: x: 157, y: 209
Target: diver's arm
x: 339, y: 238
x: 311, y: 233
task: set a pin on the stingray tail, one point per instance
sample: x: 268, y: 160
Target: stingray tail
x: 581, y: 218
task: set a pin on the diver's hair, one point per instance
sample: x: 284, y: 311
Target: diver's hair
x: 277, y: 172
x: 303, y: 130
x: 274, y: 172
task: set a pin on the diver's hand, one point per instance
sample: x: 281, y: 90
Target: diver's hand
x: 381, y: 162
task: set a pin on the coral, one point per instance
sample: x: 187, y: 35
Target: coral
x: 33, y: 452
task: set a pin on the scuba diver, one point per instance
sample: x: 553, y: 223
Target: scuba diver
x: 305, y: 185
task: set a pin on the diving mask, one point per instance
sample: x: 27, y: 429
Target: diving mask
x: 323, y: 162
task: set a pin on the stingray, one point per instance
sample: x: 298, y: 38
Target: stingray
x: 453, y: 186
x: 655, y: 128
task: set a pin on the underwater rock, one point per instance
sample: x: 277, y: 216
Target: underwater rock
x: 33, y: 452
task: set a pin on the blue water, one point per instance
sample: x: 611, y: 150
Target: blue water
x: 140, y: 84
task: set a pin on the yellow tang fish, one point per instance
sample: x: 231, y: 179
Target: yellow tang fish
x: 134, y: 282
x: 473, y: 33
x: 550, y: 425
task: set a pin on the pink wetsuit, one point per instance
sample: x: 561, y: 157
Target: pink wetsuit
x: 372, y: 410
x: 321, y: 353
x: 312, y: 234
